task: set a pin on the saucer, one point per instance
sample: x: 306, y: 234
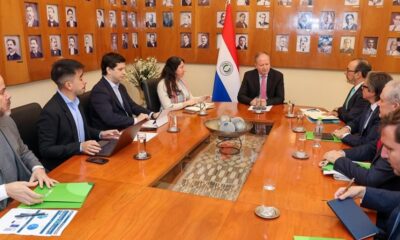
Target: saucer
x: 300, y: 155
x: 261, y: 212
x: 137, y: 157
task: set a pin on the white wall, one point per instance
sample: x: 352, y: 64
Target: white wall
x: 303, y: 87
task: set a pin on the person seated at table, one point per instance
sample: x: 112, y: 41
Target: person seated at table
x: 62, y: 128
x: 380, y: 174
x: 364, y: 128
x: 172, y: 90
x: 385, y: 202
x: 110, y: 104
x: 20, y: 169
x: 264, y: 83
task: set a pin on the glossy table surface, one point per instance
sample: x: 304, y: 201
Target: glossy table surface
x: 123, y: 204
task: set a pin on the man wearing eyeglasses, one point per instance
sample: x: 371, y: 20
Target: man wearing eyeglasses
x: 354, y: 103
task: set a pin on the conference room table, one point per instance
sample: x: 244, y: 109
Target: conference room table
x: 124, y: 204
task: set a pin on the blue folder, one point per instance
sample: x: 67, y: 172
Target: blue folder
x: 353, y: 218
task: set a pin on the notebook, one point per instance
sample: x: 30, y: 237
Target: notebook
x: 154, y: 124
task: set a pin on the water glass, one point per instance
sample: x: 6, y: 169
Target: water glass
x: 141, y: 139
x: 267, y: 192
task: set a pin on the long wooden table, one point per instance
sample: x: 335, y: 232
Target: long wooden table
x: 123, y: 204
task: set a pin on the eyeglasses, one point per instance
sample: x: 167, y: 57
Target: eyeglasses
x: 348, y: 70
x: 364, y: 87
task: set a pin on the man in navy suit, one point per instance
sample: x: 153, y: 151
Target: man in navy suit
x: 31, y: 20
x: 110, y: 104
x: 354, y: 103
x: 263, y: 83
x: 62, y: 128
x: 386, y: 202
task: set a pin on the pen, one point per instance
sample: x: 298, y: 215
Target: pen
x: 29, y: 215
x: 155, y: 120
x: 349, y: 185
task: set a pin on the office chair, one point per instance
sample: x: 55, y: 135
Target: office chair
x: 150, y: 95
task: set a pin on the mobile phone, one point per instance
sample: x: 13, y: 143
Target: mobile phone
x: 97, y: 160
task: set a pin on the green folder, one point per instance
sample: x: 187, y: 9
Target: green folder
x: 310, y: 136
x: 366, y: 165
x: 315, y: 238
x: 62, y: 195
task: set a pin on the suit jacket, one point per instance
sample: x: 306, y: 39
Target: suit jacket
x: 52, y: 23
x: 15, y: 56
x: 241, y: 25
x: 364, y: 152
x: 56, y: 52
x: 359, y: 135
x: 203, y: 45
x: 36, y: 55
x: 150, y: 44
x: 35, y: 23
x: 250, y: 87
x: 150, y: 24
x: 58, y: 134
x: 73, y: 24
x: 356, y: 105
x: 106, y: 112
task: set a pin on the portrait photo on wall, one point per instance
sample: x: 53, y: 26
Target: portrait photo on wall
x: 31, y: 14
x: 203, y: 39
x: 242, y: 20
x: 52, y: 16
x: 204, y: 2
x: 262, y: 20
x: 113, y: 2
x: 73, y: 45
x: 151, y: 20
x: 112, y: 22
x: 135, y: 43
x: 124, y: 19
x: 395, y: 22
x: 327, y: 20
x: 114, y: 42
x: 308, y: 3
x: 303, y: 43
x: 35, y: 46
x: 88, y: 38
x: 220, y: 19
x: 186, y: 40
x: 125, y: 41
x: 100, y: 17
x: 304, y: 20
x: 186, y: 3
x: 151, y: 39
x: 124, y: 2
x: 375, y: 2
x: 168, y: 19
x: 219, y: 40
x: 282, y: 43
x: 241, y: 41
x: 168, y: 3
x: 284, y: 2
x: 396, y: 3
x: 370, y: 46
x: 393, y: 47
x: 132, y: 19
x: 350, y: 21
x: 352, y: 2
x: 347, y: 44
x: 325, y: 44
x: 243, y: 2
x: 186, y: 19
x: 132, y: 3
x: 264, y: 3
x: 71, y: 17
x: 55, y: 45
x: 13, y: 46
x: 150, y: 3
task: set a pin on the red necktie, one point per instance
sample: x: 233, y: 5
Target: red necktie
x: 263, y: 92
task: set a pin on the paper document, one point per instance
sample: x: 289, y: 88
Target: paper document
x: 149, y: 136
x: 196, y: 107
x: 315, y: 113
x: 161, y: 120
x: 266, y: 109
x: 35, y: 222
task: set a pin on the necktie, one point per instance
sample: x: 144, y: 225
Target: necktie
x: 366, y: 119
x: 116, y: 90
x: 352, y: 91
x: 263, y: 92
x: 395, y: 225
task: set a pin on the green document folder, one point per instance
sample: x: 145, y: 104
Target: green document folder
x: 310, y: 136
x: 315, y: 238
x: 62, y: 195
x: 366, y: 165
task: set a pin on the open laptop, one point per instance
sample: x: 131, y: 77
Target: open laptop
x: 154, y: 124
x: 109, y: 147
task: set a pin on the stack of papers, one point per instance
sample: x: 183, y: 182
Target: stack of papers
x: 313, y: 114
x: 196, y: 107
x: 266, y: 109
x: 62, y: 195
x: 328, y: 170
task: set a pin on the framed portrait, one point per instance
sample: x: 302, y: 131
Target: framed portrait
x: 100, y: 17
x: 282, y: 43
x: 352, y: 2
x: 112, y: 2
x: 303, y: 43
x: 55, y: 45
x: 242, y: 20
x: 186, y: 3
x: 304, y: 20
x: 262, y: 20
x: 168, y: 3
x: 150, y: 3
x: 325, y: 44
x: 35, y: 46
x: 241, y: 41
x: 186, y: 19
x: 135, y: 42
x: 71, y: 17
x: 124, y: 41
x: 395, y: 22
x: 112, y: 22
x: 350, y: 21
x: 168, y: 19
x: 52, y: 16
x: 132, y: 19
x: 219, y: 40
x: 347, y: 44
x: 327, y: 20
x: 88, y: 43
x: 13, y: 46
x: 264, y: 3
x: 133, y: 3
x: 186, y: 40
x: 151, y: 20
x: 73, y: 46
x: 151, y: 40
x: 124, y: 19
x: 242, y: 2
x: 204, y: 2
x: 124, y: 2
x: 284, y: 2
x: 375, y: 2
x: 396, y: 3
x: 220, y: 19
x: 31, y: 14
x: 393, y: 47
x: 370, y: 46
x: 204, y: 40
x: 114, y: 42
x: 307, y: 3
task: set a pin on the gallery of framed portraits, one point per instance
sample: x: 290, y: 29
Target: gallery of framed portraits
x: 313, y: 34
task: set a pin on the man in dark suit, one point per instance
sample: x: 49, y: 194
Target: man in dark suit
x: 51, y: 15
x: 18, y: 164
x: 242, y: 45
x: 151, y: 42
x: 203, y: 41
x: 34, y: 46
x: 12, y: 50
x: 263, y: 83
x: 385, y: 202
x: 54, y: 49
x: 186, y: 2
x: 110, y: 104
x: 62, y: 128
x: 364, y: 128
x: 71, y: 18
x: 242, y: 21
x: 354, y: 104
x: 31, y: 20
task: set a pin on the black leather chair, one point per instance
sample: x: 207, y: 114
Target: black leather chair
x: 26, y: 118
x: 84, y: 102
x: 150, y: 95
